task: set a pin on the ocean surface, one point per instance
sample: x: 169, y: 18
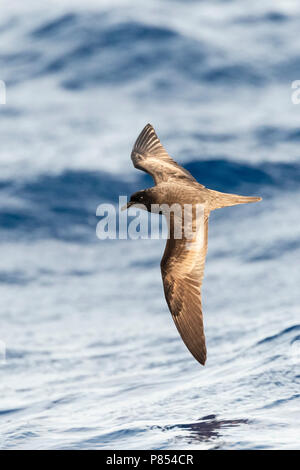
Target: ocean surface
x: 89, y: 355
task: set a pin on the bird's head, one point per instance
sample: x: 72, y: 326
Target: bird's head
x: 141, y: 200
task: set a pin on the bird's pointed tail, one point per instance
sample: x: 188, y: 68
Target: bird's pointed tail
x: 219, y: 200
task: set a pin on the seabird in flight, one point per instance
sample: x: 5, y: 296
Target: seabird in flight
x: 182, y: 265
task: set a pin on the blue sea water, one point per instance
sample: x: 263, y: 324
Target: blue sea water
x: 93, y: 359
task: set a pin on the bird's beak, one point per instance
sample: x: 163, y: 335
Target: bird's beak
x: 129, y: 204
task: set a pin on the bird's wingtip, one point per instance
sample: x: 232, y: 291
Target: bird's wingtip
x: 202, y: 359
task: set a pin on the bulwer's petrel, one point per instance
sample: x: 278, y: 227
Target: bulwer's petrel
x: 182, y: 265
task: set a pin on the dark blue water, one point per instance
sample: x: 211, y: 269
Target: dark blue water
x: 93, y: 359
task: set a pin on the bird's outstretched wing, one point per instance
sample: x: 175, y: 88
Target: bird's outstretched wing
x: 149, y: 155
x: 182, y: 269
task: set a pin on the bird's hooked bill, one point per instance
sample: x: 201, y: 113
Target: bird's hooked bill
x: 129, y: 204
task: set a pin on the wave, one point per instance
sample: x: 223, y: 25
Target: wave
x: 63, y: 206
x: 113, y: 52
x: 281, y: 334
x: 13, y: 277
x: 58, y: 206
x: 206, y: 428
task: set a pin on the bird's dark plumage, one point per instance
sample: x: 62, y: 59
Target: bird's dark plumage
x: 149, y: 155
x: 182, y: 265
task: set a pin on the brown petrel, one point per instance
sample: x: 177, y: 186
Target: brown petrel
x: 182, y: 265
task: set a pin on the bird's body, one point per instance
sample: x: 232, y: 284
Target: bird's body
x: 174, y: 193
x: 182, y: 264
